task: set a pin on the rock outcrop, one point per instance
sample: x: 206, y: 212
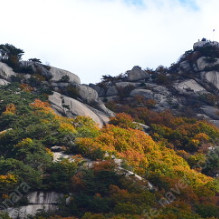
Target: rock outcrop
x: 192, y: 81
x: 70, y: 107
x: 69, y: 98
x: 36, y: 202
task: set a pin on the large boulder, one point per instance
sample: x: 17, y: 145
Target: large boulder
x: 52, y: 73
x: 58, y: 74
x: 203, y: 64
x: 212, y: 77
x: 87, y: 94
x: 137, y: 74
x: 3, y: 82
x: 189, y: 86
x: 6, y: 72
x: 36, y: 202
x: 70, y: 107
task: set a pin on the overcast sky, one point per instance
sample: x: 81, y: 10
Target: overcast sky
x: 92, y: 38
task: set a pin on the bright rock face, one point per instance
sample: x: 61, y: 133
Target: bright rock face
x: 189, y: 85
x: 86, y: 102
x: 212, y: 77
x: 75, y: 108
x: 37, y: 201
x: 6, y: 72
x: 58, y: 74
x: 203, y: 64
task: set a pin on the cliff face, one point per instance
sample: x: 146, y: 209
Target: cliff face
x: 189, y: 86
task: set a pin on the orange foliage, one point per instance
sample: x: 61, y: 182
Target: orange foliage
x: 38, y: 104
x: 8, y: 179
x: 10, y: 109
x: 142, y: 153
x: 106, y: 165
x: 26, y: 88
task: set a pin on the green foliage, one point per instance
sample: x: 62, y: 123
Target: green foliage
x: 10, y: 54
x: 72, y: 91
x: 207, y: 210
x: 64, y: 78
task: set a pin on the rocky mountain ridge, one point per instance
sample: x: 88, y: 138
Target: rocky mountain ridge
x: 189, y: 87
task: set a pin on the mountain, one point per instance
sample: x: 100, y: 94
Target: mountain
x: 189, y: 87
x: 140, y: 145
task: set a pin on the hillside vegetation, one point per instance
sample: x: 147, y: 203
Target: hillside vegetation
x: 29, y: 128
x: 144, y: 163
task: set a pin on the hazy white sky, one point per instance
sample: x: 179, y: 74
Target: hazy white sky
x: 92, y: 38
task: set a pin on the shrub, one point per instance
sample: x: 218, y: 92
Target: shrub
x: 124, y: 91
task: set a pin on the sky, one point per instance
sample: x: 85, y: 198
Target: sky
x: 92, y: 38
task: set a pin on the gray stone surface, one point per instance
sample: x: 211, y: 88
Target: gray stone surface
x: 37, y: 201
x: 3, y: 82
x: 100, y: 90
x: 189, y: 86
x: 142, y: 92
x: 212, y: 112
x: 212, y: 77
x: 112, y: 91
x: 202, y: 64
x: 6, y: 72
x: 185, y: 66
x: 88, y: 94
x: 137, y: 74
x: 76, y: 108
x: 125, y: 84
x: 57, y: 74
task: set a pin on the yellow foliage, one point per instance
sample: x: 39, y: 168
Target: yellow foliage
x: 10, y: 109
x: 67, y: 127
x: 49, y: 152
x: 202, y: 137
x: 142, y: 153
x: 26, y: 88
x: 8, y: 179
x: 24, y: 142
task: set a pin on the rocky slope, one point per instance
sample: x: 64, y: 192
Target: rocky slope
x: 66, y: 94
x: 190, y: 86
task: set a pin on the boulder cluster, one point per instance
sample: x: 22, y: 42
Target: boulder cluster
x: 189, y: 87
